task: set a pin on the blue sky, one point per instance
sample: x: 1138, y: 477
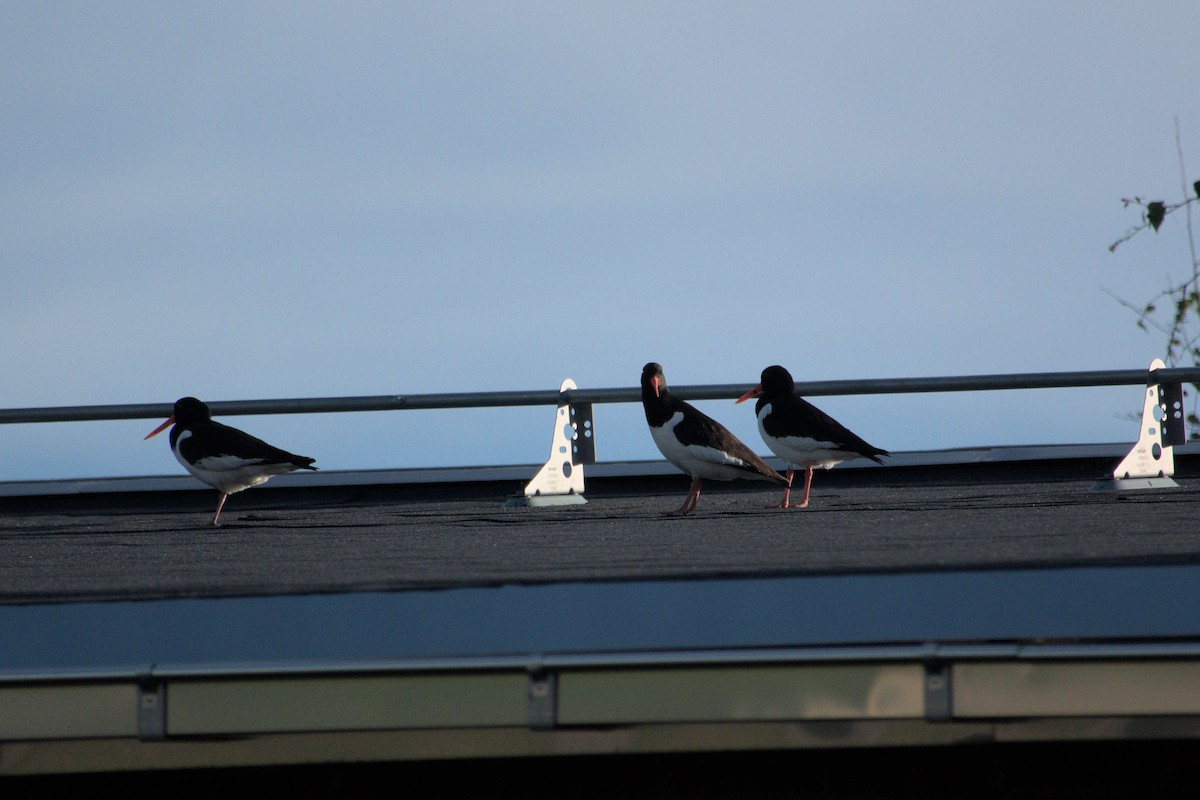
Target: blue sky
x: 272, y: 200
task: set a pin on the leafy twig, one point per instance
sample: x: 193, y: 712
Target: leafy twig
x: 1185, y: 295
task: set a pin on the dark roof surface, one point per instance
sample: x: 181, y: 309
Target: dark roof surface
x: 381, y: 537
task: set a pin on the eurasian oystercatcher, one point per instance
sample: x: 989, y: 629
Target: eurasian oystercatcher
x: 225, y: 458
x: 696, y: 443
x: 800, y: 433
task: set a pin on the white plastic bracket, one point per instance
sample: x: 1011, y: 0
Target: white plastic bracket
x: 1151, y: 462
x: 560, y: 480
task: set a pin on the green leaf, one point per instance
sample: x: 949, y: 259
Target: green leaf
x: 1155, y: 212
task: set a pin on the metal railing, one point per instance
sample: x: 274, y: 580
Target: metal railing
x: 725, y: 391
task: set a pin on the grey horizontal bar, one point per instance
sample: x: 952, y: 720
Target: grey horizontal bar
x: 321, y: 405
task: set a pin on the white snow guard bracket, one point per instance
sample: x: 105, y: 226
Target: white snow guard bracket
x: 1151, y: 462
x: 560, y: 480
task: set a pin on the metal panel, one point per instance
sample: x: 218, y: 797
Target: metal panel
x: 477, y: 625
x: 1076, y: 689
x: 605, y: 697
x: 346, y: 703
x: 63, y: 712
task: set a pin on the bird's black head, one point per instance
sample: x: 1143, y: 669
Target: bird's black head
x: 189, y: 410
x: 653, y: 381
x: 777, y: 381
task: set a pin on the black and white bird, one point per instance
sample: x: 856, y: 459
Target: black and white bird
x: 696, y: 443
x: 227, y: 459
x: 800, y: 433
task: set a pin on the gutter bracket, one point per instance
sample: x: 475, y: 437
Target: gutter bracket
x: 938, y: 699
x: 151, y: 710
x: 543, y: 699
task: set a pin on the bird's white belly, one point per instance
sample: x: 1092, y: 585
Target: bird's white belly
x: 696, y: 460
x: 803, y: 451
x: 230, y: 474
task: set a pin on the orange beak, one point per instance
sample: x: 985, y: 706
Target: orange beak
x: 755, y: 392
x: 170, y: 421
x: 656, y: 394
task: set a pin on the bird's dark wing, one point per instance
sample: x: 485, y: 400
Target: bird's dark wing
x: 800, y: 418
x: 697, y: 426
x: 222, y: 440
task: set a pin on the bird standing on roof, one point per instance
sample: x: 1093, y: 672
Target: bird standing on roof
x: 800, y: 433
x: 227, y: 459
x: 696, y: 443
